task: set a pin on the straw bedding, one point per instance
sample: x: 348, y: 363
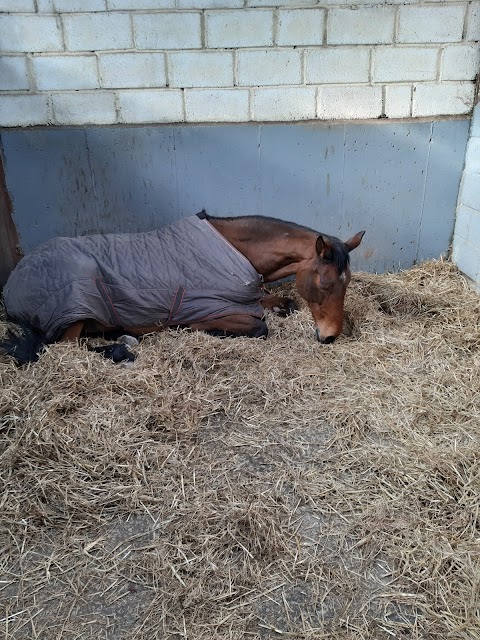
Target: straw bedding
x: 253, y: 489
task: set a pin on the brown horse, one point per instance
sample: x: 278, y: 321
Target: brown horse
x: 274, y: 248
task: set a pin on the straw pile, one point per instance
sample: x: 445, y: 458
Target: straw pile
x: 253, y: 489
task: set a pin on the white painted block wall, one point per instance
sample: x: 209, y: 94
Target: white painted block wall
x: 466, y: 240
x: 83, y: 62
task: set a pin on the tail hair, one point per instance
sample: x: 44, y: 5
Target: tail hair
x: 23, y: 343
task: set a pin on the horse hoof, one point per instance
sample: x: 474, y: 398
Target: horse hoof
x: 115, y: 352
x: 289, y: 306
x: 130, y: 341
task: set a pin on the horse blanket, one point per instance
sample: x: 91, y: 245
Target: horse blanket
x: 183, y: 273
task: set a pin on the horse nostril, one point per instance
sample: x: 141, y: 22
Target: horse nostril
x: 327, y: 340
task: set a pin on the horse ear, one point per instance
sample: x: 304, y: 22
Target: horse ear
x: 355, y: 241
x: 324, y: 247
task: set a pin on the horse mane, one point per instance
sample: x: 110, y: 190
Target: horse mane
x: 338, y: 256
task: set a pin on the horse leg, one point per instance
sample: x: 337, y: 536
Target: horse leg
x: 125, y: 336
x: 73, y: 332
x: 281, y: 306
x: 233, y: 326
x: 121, y: 352
x: 115, y: 352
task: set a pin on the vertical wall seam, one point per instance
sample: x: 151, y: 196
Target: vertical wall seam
x: 63, y: 33
x: 370, y: 65
x: 342, y: 180
x: 476, y: 95
x: 92, y: 176
x: 465, y: 21
x: 132, y: 30
x: 99, y: 73
x: 175, y: 170
x: 458, y: 203
x: 116, y: 106
x: 50, y: 114
x: 275, y: 27
x: 424, y: 192
x: 32, y: 81
x: 396, y: 21
x: 166, y: 65
x: 203, y: 31
x: 260, y: 168
x: 184, y: 105
x: 440, y: 56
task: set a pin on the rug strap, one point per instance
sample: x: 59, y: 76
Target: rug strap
x: 177, y: 302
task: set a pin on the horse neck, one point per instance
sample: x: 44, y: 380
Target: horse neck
x: 275, y: 249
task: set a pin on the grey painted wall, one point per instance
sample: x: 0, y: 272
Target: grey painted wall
x: 399, y: 181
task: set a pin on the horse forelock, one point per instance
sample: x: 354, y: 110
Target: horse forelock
x: 340, y: 256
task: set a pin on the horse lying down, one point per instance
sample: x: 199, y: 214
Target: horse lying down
x: 200, y: 272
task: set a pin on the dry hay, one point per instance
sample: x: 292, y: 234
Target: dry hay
x: 253, y: 489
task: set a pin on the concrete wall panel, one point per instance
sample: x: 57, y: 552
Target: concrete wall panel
x: 399, y: 181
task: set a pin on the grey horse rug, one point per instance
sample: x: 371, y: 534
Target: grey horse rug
x: 183, y: 273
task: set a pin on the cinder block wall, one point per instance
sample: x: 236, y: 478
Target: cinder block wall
x: 83, y: 62
x: 466, y: 241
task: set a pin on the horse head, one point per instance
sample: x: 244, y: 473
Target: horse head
x: 322, y: 282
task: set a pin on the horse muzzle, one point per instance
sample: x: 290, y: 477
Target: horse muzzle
x: 327, y: 340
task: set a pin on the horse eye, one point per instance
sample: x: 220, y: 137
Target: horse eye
x: 326, y: 284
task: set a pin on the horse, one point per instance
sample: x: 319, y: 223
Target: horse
x: 202, y: 272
